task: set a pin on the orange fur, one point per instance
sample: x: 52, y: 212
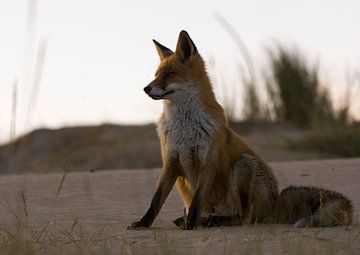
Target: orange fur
x: 199, y: 148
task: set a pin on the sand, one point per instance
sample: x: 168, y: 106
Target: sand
x: 103, y: 203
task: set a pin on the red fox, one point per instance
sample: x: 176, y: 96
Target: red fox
x: 217, y: 175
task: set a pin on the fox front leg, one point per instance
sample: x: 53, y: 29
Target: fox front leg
x: 166, y: 182
x: 148, y: 218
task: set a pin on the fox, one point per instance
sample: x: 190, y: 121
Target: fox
x: 220, y: 179
x: 213, y: 169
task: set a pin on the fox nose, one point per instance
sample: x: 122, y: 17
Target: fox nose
x: 147, y: 89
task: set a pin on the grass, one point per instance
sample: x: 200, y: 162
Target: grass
x: 252, y: 109
x: 240, y: 240
x: 25, y: 237
x: 71, y: 240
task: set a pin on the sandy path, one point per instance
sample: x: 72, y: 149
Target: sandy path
x: 115, y: 198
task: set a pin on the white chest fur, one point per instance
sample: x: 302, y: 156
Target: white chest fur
x: 188, y: 131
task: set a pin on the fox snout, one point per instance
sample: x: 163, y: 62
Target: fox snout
x: 154, y: 92
x: 158, y: 92
x: 147, y: 89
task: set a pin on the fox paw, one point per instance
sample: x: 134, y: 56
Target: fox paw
x: 137, y: 225
x: 211, y: 221
x: 180, y: 223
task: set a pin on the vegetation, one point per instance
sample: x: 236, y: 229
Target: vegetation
x: 341, y: 141
x: 23, y: 236
x: 296, y: 96
x: 294, y: 89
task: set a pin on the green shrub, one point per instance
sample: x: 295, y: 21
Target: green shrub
x: 294, y: 90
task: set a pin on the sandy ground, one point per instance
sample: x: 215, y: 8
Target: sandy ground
x: 104, y: 203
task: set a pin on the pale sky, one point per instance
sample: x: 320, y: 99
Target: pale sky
x: 99, y: 54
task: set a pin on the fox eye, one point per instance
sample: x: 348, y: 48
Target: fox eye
x: 171, y: 74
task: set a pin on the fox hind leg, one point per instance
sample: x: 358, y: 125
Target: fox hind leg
x: 253, y: 191
x: 254, y: 187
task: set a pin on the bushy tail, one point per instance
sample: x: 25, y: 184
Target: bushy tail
x: 313, y: 207
x: 331, y: 213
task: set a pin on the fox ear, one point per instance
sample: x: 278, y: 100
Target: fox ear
x: 162, y: 50
x: 185, y: 47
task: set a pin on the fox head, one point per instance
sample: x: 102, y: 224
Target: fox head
x: 179, y: 73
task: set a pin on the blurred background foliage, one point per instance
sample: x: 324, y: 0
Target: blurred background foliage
x: 285, y: 112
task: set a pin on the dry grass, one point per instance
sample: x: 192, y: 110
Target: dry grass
x: 252, y: 109
x: 25, y: 237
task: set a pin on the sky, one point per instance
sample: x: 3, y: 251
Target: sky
x: 90, y: 59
